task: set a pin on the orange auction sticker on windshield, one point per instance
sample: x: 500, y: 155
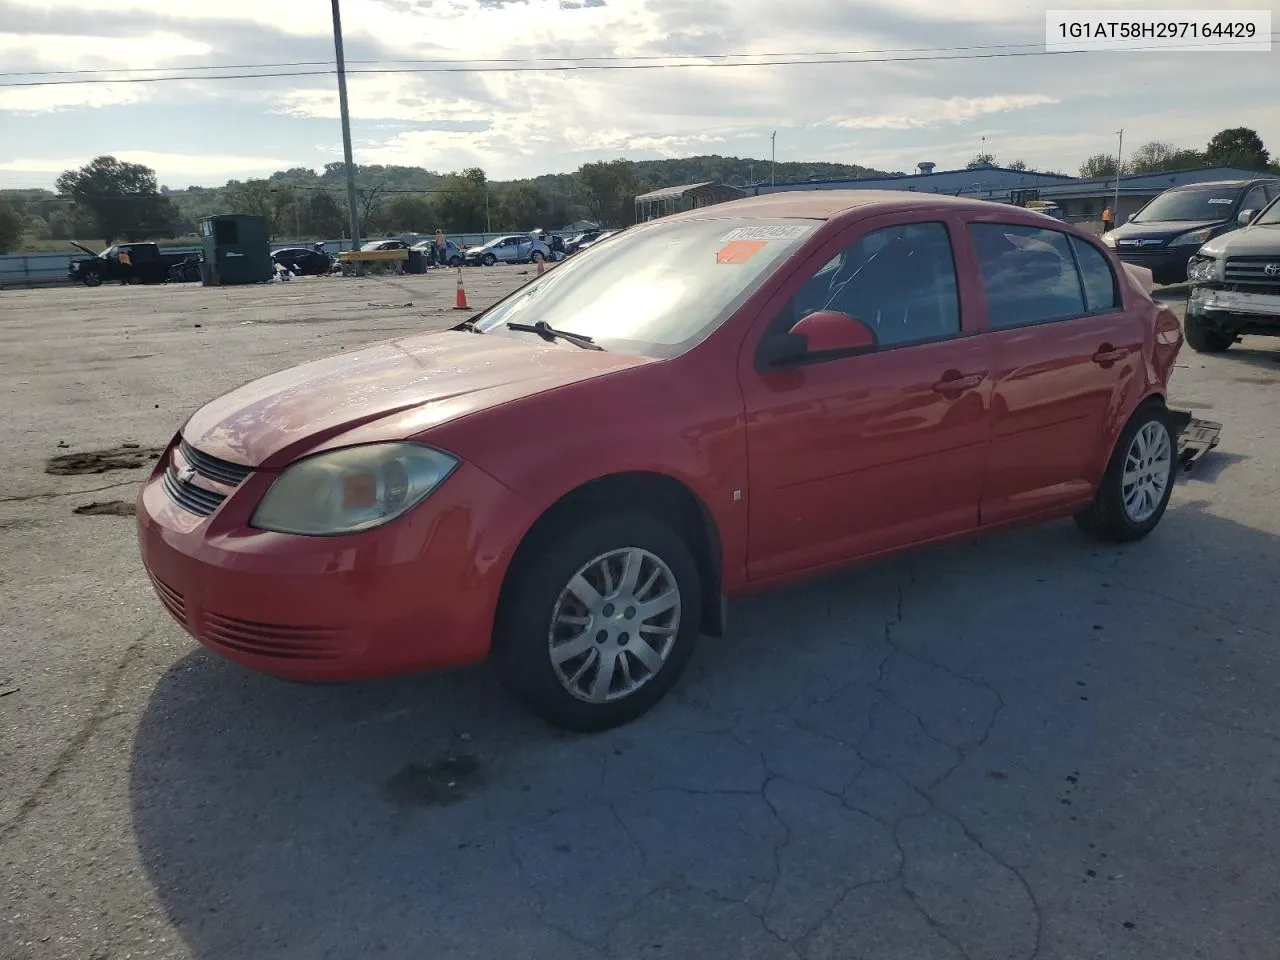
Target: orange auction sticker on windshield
x: 739, y: 251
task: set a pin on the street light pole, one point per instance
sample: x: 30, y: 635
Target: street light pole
x: 1115, y: 210
x: 773, y: 158
x: 346, y: 126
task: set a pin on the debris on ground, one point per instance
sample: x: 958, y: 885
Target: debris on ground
x: 108, y: 508
x: 124, y: 457
x: 391, y: 306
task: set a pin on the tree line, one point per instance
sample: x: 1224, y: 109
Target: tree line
x: 108, y: 199
x: 1238, y: 147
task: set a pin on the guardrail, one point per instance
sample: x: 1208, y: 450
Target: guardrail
x: 48, y: 269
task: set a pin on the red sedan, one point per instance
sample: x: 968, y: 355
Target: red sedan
x: 572, y: 482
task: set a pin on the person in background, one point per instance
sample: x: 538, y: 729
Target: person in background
x: 442, y: 252
x: 1108, y: 219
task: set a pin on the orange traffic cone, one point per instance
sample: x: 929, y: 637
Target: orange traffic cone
x: 460, y: 302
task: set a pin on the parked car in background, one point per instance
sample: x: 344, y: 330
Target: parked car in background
x: 821, y: 384
x: 601, y: 236
x: 1164, y: 234
x: 515, y: 248
x: 304, y: 261
x: 125, y: 263
x: 385, y: 245
x: 453, y: 255
x: 573, y: 243
x: 1236, y: 285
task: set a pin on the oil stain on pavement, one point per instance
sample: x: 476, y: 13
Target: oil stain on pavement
x: 439, y: 784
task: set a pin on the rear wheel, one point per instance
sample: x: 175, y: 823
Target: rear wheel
x: 598, y: 628
x: 1138, y: 482
x: 1203, y: 338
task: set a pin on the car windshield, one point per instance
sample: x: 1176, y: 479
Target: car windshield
x: 654, y: 290
x: 1270, y: 215
x: 1202, y: 203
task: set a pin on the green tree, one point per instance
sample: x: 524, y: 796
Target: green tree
x: 122, y: 198
x: 609, y: 188
x: 10, y: 228
x: 521, y: 206
x: 269, y: 199
x: 1157, y: 156
x: 1099, y: 165
x: 980, y: 160
x: 408, y: 213
x: 464, y: 203
x: 1237, y: 147
x: 324, y: 217
x: 1017, y: 165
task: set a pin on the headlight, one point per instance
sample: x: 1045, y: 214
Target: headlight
x: 1201, y: 269
x: 1196, y: 237
x: 1109, y: 240
x: 349, y: 490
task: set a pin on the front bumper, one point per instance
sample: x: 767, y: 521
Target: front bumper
x: 1167, y: 264
x: 418, y: 593
x: 1235, y: 310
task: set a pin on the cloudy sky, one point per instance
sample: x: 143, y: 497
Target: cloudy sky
x: 1047, y: 110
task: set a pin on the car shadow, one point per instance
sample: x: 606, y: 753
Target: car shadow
x: 1261, y: 352
x: 431, y: 816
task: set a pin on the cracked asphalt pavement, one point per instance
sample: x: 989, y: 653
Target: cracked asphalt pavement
x: 1025, y: 746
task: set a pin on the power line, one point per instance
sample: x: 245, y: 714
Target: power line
x: 510, y: 60
x: 469, y: 67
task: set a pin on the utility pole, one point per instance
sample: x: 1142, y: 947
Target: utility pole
x: 346, y: 127
x: 1115, y: 210
x: 773, y: 158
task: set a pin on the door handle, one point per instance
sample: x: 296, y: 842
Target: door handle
x: 1107, y: 354
x: 953, y: 381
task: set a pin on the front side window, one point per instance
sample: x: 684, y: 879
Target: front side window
x: 900, y: 281
x: 1028, y: 274
x: 654, y: 290
x: 1254, y: 200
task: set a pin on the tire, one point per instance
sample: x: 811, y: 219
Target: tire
x: 539, y: 590
x: 91, y: 278
x: 1109, y: 518
x: 455, y: 261
x: 1205, y: 339
x: 490, y: 259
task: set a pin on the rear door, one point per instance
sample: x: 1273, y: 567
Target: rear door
x: 1063, y: 349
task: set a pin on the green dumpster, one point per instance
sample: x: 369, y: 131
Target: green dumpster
x: 236, y: 250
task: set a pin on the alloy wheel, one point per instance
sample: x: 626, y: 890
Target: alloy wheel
x: 614, y: 625
x: 1148, y: 470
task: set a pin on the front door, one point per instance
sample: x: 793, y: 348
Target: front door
x: 857, y: 455
x: 1063, y: 349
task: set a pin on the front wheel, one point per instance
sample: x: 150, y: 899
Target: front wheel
x: 91, y: 278
x: 1138, y: 482
x: 1205, y: 339
x: 490, y: 259
x: 598, y: 628
x: 455, y: 261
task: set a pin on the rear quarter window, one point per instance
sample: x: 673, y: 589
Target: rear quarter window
x: 1099, y: 280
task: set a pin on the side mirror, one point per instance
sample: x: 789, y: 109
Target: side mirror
x: 1129, y: 217
x: 816, y: 336
x: 1246, y: 217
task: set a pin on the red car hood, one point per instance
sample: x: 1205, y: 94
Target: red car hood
x: 444, y: 375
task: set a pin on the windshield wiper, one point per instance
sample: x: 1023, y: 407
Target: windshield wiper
x: 544, y: 329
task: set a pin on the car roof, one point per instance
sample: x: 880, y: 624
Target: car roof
x: 829, y: 204
x: 1214, y: 184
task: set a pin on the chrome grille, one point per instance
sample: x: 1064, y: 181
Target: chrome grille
x: 198, y: 500
x: 222, y: 471
x: 1253, y: 270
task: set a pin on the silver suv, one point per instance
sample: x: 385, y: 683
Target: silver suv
x: 516, y: 248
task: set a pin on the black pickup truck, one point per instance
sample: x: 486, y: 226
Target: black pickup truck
x: 133, y: 263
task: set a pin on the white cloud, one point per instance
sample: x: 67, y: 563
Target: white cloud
x: 172, y: 168
x: 1049, y: 111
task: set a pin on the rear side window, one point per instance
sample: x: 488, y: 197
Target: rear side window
x: 1099, y: 282
x: 1028, y: 273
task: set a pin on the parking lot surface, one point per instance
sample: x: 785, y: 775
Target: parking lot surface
x: 1023, y: 746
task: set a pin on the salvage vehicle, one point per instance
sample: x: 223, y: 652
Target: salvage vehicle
x: 1164, y: 233
x: 516, y: 248
x: 452, y: 253
x: 126, y: 263
x: 304, y: 261
x: 1236, y: 285
x: 573, y: 481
